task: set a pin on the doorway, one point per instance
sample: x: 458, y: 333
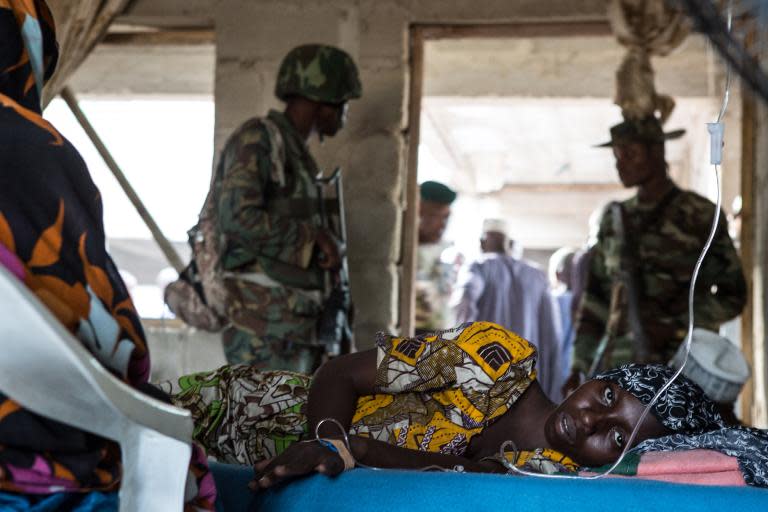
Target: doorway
x: 508, y: 115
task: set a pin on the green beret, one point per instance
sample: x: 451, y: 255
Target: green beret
x: 436, y: 192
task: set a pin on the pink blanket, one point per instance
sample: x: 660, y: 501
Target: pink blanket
x: 702, y: 467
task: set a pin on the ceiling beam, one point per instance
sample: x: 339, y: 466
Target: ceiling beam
x: 555, y: 187
x: 544, y: 28
x: 170, y: 13
x: 161, y: 38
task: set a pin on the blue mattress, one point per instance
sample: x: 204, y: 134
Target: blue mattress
x: 365, y: 490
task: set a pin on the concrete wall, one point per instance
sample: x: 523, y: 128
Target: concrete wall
x: 372, y: 148
x: 146, y: 70
x: 177, y: 349
x: 584, y: 67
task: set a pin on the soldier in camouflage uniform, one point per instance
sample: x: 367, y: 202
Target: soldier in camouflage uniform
x: 665, y: 229
x: 272, y: 249
x: 435, y: 272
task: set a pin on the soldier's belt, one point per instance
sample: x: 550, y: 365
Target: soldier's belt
x: 261, y: 279
x: 301, y: 207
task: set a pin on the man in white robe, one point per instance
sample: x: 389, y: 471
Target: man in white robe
x: 514, y: 294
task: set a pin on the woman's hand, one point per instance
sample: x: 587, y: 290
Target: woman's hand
x: 300, y: 459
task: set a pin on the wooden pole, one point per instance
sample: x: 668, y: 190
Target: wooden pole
x: 170, y: 253
x: 411, y: 196
x: 747, y: 245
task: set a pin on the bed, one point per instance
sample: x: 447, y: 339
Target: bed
x: 394, y: 490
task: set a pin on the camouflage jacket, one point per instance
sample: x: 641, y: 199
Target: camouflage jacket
x: 666, y: 248
x: 266, y: 203
x: 434, y: 283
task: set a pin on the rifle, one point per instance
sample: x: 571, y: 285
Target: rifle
x: 624, y: 294
x: 605, y: 347
x: 334, y: 329
x: 628, y: 275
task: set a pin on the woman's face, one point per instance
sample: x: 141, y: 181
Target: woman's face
x: 593, y: 424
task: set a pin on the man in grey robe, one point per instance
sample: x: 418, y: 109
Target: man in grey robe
x: 514, y: 294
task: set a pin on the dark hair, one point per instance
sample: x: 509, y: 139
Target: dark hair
x: 683, y: 408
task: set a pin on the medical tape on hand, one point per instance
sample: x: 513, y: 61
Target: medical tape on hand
x: 338, y: 446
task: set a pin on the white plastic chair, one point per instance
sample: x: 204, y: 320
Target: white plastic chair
x: 48, y: 371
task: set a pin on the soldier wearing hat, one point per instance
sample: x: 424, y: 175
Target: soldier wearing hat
x: 635, y: 306
x: 272, y: 251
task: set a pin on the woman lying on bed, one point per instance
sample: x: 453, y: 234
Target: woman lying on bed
x: 448, y: 400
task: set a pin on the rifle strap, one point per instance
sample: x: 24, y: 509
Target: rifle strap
x: 629, y: 233
x: 604, y: 350
x: 634, y: 290
x: 647, y: 219
x: 277, y: 154
x: 294, y: 207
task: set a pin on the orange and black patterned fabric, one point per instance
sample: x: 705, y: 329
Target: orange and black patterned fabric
x: 52, y: 238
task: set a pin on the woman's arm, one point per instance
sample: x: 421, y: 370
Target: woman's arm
x: 309, y: 457
x: 384, y: 455
x: 335, y: 389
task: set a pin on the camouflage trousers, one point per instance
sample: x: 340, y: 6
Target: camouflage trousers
x: 271, y: 327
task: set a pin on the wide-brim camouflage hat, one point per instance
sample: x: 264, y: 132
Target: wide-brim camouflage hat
x: 646, y: 130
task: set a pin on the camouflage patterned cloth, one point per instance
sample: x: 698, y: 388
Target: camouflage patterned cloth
x: 435, y: 279
x: 434, y: 393
x: 266, y: 208
x: 666, y: 251
x: 320, y: 73
x: 243, y: 415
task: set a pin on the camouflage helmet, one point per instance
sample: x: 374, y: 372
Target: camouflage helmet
x: 320, y: 73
